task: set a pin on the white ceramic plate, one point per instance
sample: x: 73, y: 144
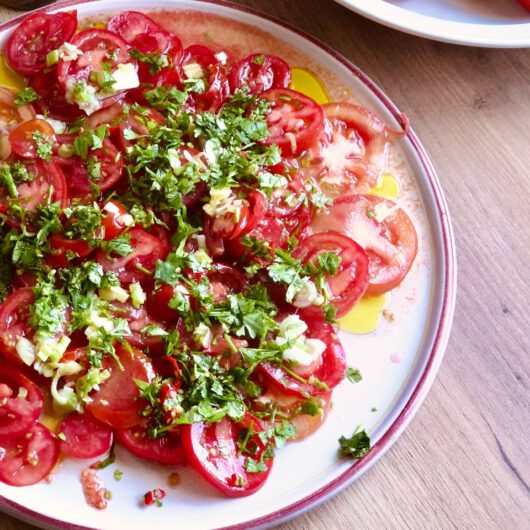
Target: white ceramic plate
x: 488, y: 23
x: 308, y: 472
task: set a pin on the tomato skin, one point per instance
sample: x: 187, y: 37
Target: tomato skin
x: 330, y: 369
x: 525, y: 3
x: 17, y: 414
x: 158, y: 303
x: 14, y: 313
x: 117, y: 403
x: 260, y: 72
x: 85, y: 437
x: 350, y: 282
x: 29, y: 458
x: 222, y: 468
x: 112, y: 221
x: 295, y: 121
x: 35, y: 37
x: 391, y: 245
x: 166, y: 450
x: 21, y: 137
x: 129, y: 24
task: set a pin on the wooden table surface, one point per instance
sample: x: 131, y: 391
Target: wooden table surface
x: 464, y: 462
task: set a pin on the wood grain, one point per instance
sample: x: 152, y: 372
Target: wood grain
x: 465, y: 460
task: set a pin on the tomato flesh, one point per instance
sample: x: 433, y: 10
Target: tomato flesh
x: 84, y: 437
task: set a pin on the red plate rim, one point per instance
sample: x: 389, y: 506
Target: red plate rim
x: 440, y: 339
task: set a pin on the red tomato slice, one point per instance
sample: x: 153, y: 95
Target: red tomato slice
x: 212, y: 450
x: 10, y: 114
x: 158, y: 302
x: 525, y: 3
x: 100, y: 47
x: 29, y: 458
x: 147, y: 250
x: 110, y: 162
x: 129, y: 24
x: 113, y: 220
x: 350, y: 282
x: 117, y: 402
x: 136, y: 122
x: 295, y: 121
x: 165, y: 450
x: 35, y: 37
x: 21, y: 401
x: 225, y: 280
x: 260, y: 72
x: 52, y: 101
x: 305, y: 424
x: 85, y: 437
x: 391, y: 243
x: 329, y: 369
x: 14, y: 314
x: 21, y: 137
x: 105, y: 115
x: 352, y: 152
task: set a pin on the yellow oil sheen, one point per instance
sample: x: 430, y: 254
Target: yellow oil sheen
x: 388, y: 187
x: 8, y: 77
x: 365, y: 315
x: 308, y: 83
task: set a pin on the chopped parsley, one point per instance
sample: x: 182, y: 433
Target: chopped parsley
x: 25, y: 96
x: 356, y: 446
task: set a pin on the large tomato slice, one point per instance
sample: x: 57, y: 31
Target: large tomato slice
x: 117, y: 402
x: 35, y: 37
x: 21, y: 401
x: 147, y: 250
x: 14, y: 315
x: 351, y: 154
x: 167, y: 449
x: 29, y: 458
x: 84, y: 436
x: 295, y: 121
x: 213, y: 451
x: 382, y: 228
x: 260, y: 72
x: 351, y: 280
x: 329, y: 368
x: 47, y: 176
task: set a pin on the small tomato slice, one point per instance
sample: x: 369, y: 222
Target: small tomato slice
x: 84, y: 436
x: 114, y: 221
x: 295, y: 121
x: 21, y: 401
x: 29, y: 458
x: 129, y: 24
x: 213, y: 451
x: 22, y: 137
x: 382, y: 228
x: 35, y: 37
x: 260, y: 72
x: 118, y: 403
x: 350, y: 281
x: 167, y: 449
x: 10, y: 114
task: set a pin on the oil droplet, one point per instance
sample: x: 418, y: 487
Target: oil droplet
x: 396, y: 358
x: 387, y: 186
x: 308, y: 83
x: 174, y: 480
x: 8, y: 77
x: 364, y: 316
x: 52, y: 422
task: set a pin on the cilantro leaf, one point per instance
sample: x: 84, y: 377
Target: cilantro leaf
x: 356, y: 446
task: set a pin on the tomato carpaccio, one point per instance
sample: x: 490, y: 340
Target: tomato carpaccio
x: 180, y: 228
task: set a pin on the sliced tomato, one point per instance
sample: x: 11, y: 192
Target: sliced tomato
x: 525, y: 3
x: 105, y: 115
x: 35, y: 37
x: 147, y: 250
x: 14, y: 315
x: 84, y: 436
x: 349, y: 284
x: 159, y: 298
x: 108, y: 159
x: 101, y: 50
x: 22, y: 137
x: 290, y: 406
x: 260, y: 72
x: 21, y: 401
x: 213, y: 451
x: 11, y: 115
x: 295, y: 121
x: 129, y: 24
x: 118, y: 403
x: 225, y: 280
x: 329, y: 369
x: 113, y: 221
x: 382, y: 228
x: 63, y: 245
x: 352, y: 152
x: 52, y: 102
x: 29, y: 458
x: 166, y: 449
x: 136, y: 123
